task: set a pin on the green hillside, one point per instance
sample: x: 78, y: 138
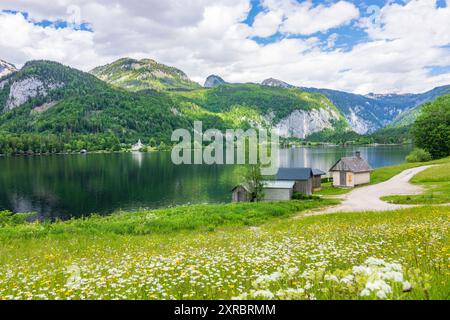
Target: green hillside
x: 83, y: 107
x: 407, y: 118
x: 136, y: 75
x: 56, y: 108
x: 265, y: 100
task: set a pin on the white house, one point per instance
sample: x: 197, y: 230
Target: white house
x: 351, y: 171
x: 138, y: 146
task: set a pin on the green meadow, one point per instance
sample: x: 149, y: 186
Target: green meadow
x: 436, y: 184
x: 383, y: 174
x: 235, y: 251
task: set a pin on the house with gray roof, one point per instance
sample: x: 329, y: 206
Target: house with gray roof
x: 282, y: 188
x: 349, y: 172
x: 302, y: 178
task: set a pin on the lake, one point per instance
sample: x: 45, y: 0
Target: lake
x: 65, y: 186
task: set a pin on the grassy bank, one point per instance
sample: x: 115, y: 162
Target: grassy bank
x: 160, y: 221
x: 382, y: 174
x: 436, y: 184
x: 392, y: 255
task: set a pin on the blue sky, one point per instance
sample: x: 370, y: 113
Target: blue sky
x: 349, y: 35
x: 334, y: 44
x: 56, y: 24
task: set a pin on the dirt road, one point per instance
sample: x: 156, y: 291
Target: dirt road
x: 368, y: 198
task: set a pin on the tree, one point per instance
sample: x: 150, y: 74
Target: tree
x: 254, y: 179
x: 432, y: 128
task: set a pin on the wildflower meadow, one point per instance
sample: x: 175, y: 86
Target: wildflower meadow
x: 392, y: 255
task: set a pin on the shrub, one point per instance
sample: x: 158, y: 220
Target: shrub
x: 302, y: 196
x: 419, y: 155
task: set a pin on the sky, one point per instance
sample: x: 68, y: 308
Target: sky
x: 363, y: 46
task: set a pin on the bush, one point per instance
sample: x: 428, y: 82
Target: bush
x: 419, y: 155
x: 302, y: 196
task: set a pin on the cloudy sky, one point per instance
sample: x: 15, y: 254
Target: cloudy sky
x: 360, y: 46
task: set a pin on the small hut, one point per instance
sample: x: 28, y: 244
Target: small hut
x: 351, y: 171
x: 303, y: 178
x: 278, y: 190
x: 241, y: 193
x: 317, y: 179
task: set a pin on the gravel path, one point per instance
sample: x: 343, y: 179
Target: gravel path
x: 368, y: 198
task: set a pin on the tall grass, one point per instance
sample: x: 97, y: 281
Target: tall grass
x: 373, y: 255
x: 165, y: 221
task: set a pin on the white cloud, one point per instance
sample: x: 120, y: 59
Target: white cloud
x: 303, y: 18
x: 21, y: 41
x: 267, y: 23
x: 203, y: 37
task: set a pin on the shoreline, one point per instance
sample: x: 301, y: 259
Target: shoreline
x: 323, y: 145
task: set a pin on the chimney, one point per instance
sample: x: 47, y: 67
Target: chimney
x: 358, y: 154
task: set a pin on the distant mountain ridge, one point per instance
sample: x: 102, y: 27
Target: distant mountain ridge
x: 145, y: 99
x: 271, y: 82
x: 46, y: 97
x: 368, y: 113
x: 137, y: 75
x: 409, y: 116
x: 213, y: 81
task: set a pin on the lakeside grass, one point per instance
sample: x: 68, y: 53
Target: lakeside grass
x: 381, y: 175
x: 375, y: 255
x: 436, y: 184
x: 206, y: 218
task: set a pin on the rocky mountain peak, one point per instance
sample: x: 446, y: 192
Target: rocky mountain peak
x: 271, y: 82
x: 6, y: 68
x: 136, y: 75
x: 213, y: 81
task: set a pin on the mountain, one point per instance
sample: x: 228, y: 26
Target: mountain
x: 49, y: 98
x: 6, y: 68
x: 368, y: 113
x: 293, y: 112
x: 78, y: 110
x: 408, y: 117
x: 213, y: 81
x: 137, y: 75
x: 271, y: 82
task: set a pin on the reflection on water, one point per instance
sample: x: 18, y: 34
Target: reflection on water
x: 75, y: 185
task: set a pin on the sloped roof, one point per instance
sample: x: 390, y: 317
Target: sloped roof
x: 318, y: 172
x: 296, y: 174
x: 352, y: 164
x: 279, y: 184
x: 243, y: 185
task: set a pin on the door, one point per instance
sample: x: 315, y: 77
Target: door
x: 343, y: 179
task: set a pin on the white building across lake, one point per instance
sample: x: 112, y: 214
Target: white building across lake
x: 138, y: 146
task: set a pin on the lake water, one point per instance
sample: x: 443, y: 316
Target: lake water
x: 64, y: 186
